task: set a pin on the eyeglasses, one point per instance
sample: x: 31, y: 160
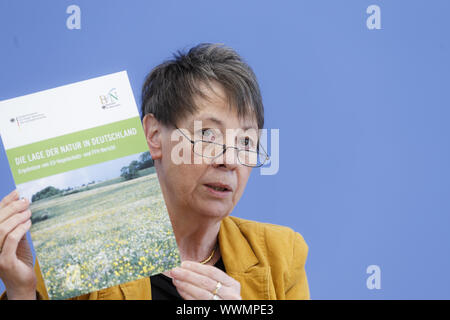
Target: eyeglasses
x: 211, y: 150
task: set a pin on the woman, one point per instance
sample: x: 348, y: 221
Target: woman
x: 202, y: 112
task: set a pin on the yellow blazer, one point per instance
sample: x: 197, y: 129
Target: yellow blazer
x: 268, y: 261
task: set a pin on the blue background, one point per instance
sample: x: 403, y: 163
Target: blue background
x: 363, y: 116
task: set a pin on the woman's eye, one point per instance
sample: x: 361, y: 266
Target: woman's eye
x: 246, y: 142
x: 208, y: 134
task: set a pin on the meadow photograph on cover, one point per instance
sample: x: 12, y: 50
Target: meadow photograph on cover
x: 99, y: 226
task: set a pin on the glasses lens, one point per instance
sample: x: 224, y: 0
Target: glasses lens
x: 251, y: 158
x: 207, y: 149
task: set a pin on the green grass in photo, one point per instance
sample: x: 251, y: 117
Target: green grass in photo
x: 109, y: 233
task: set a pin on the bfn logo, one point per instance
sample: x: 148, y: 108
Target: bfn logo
x: 110, y: 100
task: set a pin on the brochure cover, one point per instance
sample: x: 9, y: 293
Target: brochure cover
x: 79, y: 154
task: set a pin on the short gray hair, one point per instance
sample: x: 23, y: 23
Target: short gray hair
x: 170, y: 88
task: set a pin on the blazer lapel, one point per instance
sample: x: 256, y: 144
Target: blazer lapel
x: 242, y: 263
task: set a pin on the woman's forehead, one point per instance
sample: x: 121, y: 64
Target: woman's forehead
x: 229, y: 121
x: 215, y: 108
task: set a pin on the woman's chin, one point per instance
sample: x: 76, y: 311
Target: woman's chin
x: 215, y: 209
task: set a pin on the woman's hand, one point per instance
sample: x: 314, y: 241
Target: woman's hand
x: 196, y: 281
x: 16, y: 259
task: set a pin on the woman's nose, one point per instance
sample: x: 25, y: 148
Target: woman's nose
x: 228, y: 159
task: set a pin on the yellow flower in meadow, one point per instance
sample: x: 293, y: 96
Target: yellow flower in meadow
x: 96, y: 280
x: 116, y: 273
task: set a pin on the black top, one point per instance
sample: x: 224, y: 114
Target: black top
x: 163, y: 288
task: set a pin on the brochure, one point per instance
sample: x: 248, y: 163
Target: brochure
x: 78, y: 153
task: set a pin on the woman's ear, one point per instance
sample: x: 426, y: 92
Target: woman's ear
x: 152, y: 130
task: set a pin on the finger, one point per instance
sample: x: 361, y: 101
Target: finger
x: 207, y: 284
x: 14, y: 237
x: 194, y: 278
x: 9, y: 198
x: 13, y: 208
x: 210, y: 272
x: 9, y: 225
x: 192, y: 290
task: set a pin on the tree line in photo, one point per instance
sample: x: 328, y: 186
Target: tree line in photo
x: 132, y: 170
x: 129, y: 172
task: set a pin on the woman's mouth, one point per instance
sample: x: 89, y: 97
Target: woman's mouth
x: 219, y: 190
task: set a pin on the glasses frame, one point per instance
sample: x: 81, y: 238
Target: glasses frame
x: 225, y: 148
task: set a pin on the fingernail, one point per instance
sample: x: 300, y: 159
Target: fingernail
x: 185, y: 264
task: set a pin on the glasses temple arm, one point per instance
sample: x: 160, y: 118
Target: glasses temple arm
x: 192, y: 141
x: 265, y: 152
